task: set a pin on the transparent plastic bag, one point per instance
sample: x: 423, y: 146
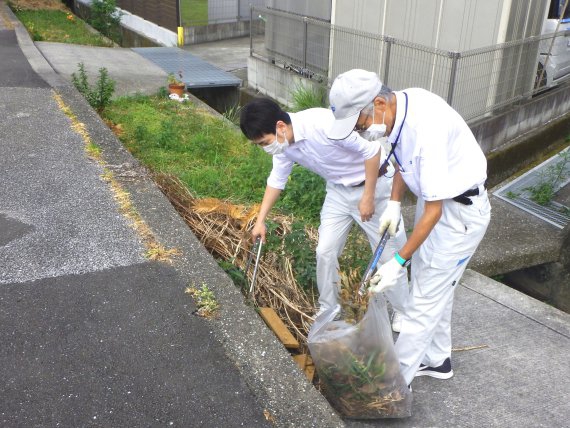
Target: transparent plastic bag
x: 357, y: 364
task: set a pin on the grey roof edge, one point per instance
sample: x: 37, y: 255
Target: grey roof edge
x: 531, y: 308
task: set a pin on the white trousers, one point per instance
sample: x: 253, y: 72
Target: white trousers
x: 437, y: 267
x: 339, y: 212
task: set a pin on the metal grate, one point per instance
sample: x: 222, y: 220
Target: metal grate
x: 196, y: 73
x: 518, y: 194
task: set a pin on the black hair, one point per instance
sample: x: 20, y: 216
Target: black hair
x: 259, y: 117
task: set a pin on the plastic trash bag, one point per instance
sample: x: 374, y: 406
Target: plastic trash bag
x: 357, y: 364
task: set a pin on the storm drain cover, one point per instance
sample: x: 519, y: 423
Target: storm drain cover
x: 522, y: 191
x: 196, y: 73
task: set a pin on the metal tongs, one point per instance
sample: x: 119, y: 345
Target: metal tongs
x: 256, y: 249
x: 373, y: 263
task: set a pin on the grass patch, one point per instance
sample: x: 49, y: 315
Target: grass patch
x: 194, y: 12
x: 59, y: 26
x: 305, y: 97
x: 209, y: 155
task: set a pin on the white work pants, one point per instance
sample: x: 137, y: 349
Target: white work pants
x: 339, y: 212
x: 437, y: 267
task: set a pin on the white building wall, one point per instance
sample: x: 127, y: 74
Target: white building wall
x: 449, y: 25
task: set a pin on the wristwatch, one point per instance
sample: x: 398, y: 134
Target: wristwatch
x: 403, y: 262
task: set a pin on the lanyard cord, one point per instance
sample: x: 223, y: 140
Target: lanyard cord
x: 395, y: 143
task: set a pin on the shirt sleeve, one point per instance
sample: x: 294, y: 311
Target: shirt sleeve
x: 355, y: 143
x: 279, y: 175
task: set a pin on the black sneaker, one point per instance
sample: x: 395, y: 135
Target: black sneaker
x: 442, y: 372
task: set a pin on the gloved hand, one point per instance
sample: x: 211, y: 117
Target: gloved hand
x: 387, y: 276
x: 390, y: 218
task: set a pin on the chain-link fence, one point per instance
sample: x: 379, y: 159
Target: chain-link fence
x: 205, y: 12
x: 474, y: 82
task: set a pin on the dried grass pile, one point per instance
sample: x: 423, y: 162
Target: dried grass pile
x: 223, y: 228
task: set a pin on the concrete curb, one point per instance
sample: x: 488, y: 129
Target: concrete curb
x: 33, y: 55
x: 263, y: 362
x: 535, y: 310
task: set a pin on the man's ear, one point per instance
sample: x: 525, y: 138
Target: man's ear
x: 381, y: 103
x: 281, y: 126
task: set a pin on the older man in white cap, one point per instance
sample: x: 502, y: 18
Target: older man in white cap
x: 440, y: 161
x: 357, y: 189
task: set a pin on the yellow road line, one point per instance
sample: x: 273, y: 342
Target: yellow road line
x: 4, y: 17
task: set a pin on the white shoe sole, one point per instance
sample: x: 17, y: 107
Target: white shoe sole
x: 433, y: 374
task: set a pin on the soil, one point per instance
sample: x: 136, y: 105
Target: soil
x: 39, y: 4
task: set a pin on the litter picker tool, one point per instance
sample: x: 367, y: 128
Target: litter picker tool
x: 256, y: 249
x: 373, y: 263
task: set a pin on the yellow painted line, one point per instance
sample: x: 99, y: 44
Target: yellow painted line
x: 6, y: 21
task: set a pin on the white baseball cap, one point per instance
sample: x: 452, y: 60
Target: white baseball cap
x: 350, y: 93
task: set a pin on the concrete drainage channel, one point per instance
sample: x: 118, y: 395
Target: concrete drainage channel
x: 554, y: 172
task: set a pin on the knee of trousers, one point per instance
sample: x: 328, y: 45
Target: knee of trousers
x: 326, y: 253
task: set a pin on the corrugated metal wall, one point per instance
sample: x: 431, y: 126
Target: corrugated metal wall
x: 163, y: 13
x: 457, y: 26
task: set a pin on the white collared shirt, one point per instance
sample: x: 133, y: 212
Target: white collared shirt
x: 438, y: 155
x: 337, y: 161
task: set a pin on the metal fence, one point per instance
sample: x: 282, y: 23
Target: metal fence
x: 205, y: 12
x: 475, y: 82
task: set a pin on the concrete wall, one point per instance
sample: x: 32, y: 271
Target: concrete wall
x: 273, y: 81
x: 133, y: 23
x: 214, y: 32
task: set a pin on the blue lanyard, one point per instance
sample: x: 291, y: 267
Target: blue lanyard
x: 395, y: 143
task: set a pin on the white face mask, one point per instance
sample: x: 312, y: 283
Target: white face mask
x: 376, y: 130
x: 276, y: 148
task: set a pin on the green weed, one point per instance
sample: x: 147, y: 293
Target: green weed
x: 543, y: 192
x: 58, y: 26
x: 106, y: 18
x: 205, y: 300
x: 98, y: 96
x: 305, y: 97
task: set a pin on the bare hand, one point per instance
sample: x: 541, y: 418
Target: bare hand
x: 258, y: 230
x: 366, y: 207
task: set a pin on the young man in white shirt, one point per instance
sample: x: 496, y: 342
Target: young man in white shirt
x: 439, y: 160
x: 357, y: 190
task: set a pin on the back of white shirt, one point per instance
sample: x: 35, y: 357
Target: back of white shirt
x: 337, y: 161
x: 438, y: 155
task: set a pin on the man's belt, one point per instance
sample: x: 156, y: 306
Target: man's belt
x: 383, y: 169
x: 464, y: 198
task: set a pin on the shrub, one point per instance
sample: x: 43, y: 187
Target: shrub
x: 105, y: 18
x: 98, y: 96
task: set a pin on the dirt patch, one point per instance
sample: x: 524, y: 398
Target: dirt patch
x: 39, y: 4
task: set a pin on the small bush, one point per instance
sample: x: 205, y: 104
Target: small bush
x: 98, y: 96
x: 105, y: 18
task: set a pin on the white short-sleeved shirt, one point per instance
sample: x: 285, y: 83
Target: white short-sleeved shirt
x: 337, y: 161
x: 438, y: 155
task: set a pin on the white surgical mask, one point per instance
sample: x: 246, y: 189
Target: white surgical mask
x: 376, y: 130
x: 276, y: 148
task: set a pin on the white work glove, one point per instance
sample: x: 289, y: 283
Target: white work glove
x: 390, y: 218
x: 387, y: 276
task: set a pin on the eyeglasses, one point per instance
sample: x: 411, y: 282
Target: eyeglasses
x: 362, y: 126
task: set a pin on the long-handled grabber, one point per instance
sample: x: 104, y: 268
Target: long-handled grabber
x: 256, y: 249
x: 373, y: 263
